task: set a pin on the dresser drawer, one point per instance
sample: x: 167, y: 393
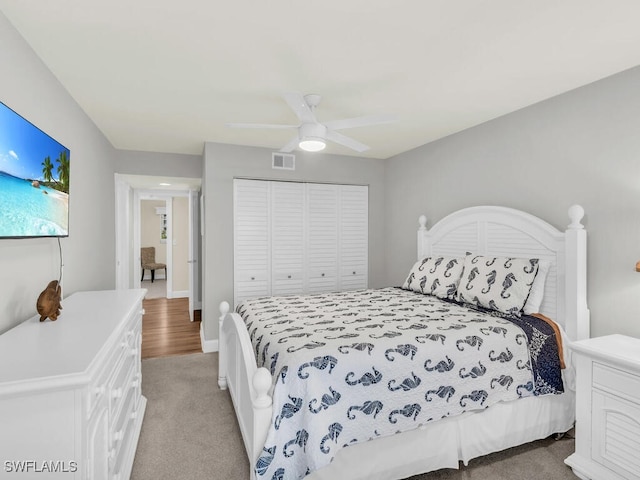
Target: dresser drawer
x: 120, y: 382
x: 132, y: 325
x: 120, y: 431
x: 616, y: 381
x: 97, y: 387
x: 104, y: 379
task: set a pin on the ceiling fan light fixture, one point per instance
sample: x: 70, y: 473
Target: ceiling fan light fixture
x: 312, y: 135
x: 312, y: 144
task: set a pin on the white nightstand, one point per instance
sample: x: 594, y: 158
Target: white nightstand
x: 607, y: 408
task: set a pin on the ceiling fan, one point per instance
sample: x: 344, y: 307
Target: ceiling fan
x: 312, y: 135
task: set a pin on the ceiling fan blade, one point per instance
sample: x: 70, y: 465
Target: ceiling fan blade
x: 290, y: 147
x: 360, y: 121
x: 259, y: 125
x: 299, y: 105
x: 346, y: 141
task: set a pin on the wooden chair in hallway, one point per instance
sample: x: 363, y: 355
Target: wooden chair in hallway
x: 148, y: 262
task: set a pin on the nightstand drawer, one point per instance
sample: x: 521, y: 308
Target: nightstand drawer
x: 616, y: 435
x: 616, y: 381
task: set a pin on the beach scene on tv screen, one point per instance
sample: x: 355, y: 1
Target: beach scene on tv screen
x: 34, y: 180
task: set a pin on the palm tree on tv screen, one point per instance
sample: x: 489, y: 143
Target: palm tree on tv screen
x: 62, y: 183
x: 63, y: 171
x: 47, y: 168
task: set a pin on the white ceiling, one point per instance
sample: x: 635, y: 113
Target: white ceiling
x: 166, y: 75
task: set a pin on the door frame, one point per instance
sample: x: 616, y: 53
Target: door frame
x: 123, y: 192
x: 127, y: 231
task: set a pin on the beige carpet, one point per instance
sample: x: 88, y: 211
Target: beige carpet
x: 190, y: 432
x: 189, y: 429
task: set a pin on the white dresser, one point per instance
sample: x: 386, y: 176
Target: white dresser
x: 70, y: 390
x: 608, y: 408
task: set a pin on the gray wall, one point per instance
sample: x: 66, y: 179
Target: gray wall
x: 29, y: 88
x: 132, y: 162
x: 580, y: 147
x: 222, y: 163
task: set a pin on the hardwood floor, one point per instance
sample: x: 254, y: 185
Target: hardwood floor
x: 167, y: 330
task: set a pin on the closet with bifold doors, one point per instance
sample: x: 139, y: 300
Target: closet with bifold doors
x: 295, y: 238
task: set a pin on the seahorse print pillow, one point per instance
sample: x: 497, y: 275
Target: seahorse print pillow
x: 498, y: 283
x: 437, y: 276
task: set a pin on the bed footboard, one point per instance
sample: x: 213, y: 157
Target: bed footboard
x: 247, y: 384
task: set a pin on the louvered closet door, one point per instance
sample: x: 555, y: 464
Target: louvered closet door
x: 322, y: 238
x: 287, y: 238
x: 354, y: 237
x: 252, y: 250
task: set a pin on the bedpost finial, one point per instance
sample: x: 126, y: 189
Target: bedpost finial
x: 224, y: 308
x: 262, y: 383
x: 422, y: 220
x: 576, y: 212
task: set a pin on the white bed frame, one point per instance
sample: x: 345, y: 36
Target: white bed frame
x: 496, y: 231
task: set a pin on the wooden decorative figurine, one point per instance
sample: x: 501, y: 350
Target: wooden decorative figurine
x: 49, y: 302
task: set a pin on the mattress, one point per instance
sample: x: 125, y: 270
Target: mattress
x: 351, y: 367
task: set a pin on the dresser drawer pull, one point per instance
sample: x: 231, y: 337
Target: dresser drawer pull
x: 117, y: 393
x: 99, y: 390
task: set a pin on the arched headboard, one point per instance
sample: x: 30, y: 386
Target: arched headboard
x: 502, y: 231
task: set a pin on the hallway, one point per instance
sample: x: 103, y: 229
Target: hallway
x: 167, y: 330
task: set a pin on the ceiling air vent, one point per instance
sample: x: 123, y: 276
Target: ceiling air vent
x: 283, y: 161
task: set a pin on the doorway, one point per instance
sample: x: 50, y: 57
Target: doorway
x: 153, y: 234
x: 180, y: 218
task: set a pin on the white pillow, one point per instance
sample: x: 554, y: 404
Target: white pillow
x: 497, y: 283
x: 437, y: 276
x: 537, y: 289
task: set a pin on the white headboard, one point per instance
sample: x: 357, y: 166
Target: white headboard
x: 502, y: 231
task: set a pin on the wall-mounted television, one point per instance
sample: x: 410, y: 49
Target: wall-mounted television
x: 34, y: 180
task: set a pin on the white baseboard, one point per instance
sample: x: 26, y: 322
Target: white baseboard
x: 180, y: 294
x: 207, y: 345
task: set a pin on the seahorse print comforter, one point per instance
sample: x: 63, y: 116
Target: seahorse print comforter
x: 352, y: 366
